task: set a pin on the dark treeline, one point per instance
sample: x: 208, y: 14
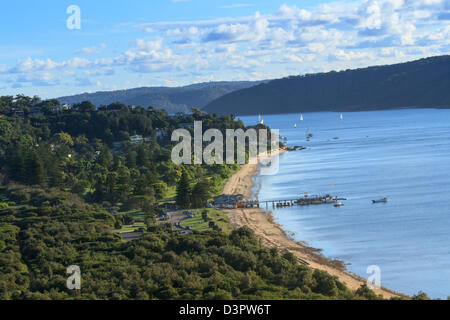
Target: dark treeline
x: 61, y: 172
x: 423, y: 83
x: 170, y: 99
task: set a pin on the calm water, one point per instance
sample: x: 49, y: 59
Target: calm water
x: 403, y: 155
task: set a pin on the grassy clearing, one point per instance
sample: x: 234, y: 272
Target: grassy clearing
x: 136, y: 214
x: 132, y: 228
x: 216, y: 183
x: 196, y: 223
x: 170, y: 195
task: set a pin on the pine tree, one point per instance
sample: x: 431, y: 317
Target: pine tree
x: 17, y: 165
x: 34, y: 168
x: 123, y: 183
x: 142, y: 157
x: 105, y: 158
x: 200, y: 194
x: 183, y: 191
x: 149, y: 214
x: 54, y: 172
x: 99, y: 187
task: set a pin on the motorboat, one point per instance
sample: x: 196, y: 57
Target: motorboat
x: 382, y: 200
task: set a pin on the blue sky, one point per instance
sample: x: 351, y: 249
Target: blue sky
x: 133, y: 43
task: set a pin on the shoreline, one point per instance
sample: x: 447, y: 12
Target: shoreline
x: 348, y: 111
x: 273, y: 235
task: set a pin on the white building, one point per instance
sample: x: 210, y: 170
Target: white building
x: 136, y: 139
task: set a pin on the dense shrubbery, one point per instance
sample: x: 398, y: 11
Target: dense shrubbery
x: 35, y: 251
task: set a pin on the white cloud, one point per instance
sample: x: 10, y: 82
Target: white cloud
x: 226, y: 48
x: 294, y: 12
x: 350, y: 55
x: 182, y: 32
x: 334, y: 35
x: 235, y: 32
x: 92, y: 50
x: 149, y: 45
x: 293, y: 58
x: 391, y: 52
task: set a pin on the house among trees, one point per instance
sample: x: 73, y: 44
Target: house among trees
x: 186, y: 125
x: 180, y: 114
x: 35, y: 112
x: 117, y: 144
x: 136, y: 139
x: 60, y: 108
x: 161, y: 133
x: 16, y: 112
x: 139, y: 138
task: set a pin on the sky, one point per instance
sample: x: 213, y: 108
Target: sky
x: 134, y: 43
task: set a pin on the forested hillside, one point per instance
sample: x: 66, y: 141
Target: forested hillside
x: 423, y: 83
x: 71, y: 180
x: 180, y: 99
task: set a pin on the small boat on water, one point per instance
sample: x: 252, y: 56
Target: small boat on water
x: 338, y: 204
x: 295, y: 125
x: 382, y: 200
x: 301, y: 117
x: 341, y: 117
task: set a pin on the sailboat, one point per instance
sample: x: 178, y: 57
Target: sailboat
x: 301, y: 117
x: 341, y: 117
x: 262, y: 121
x: 295, y: 125
x: 259, y: 118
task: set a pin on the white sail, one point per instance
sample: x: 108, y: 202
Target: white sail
x: 295, y: 125
x: 259, y: 118
x: 262, y: 121
x: 301, y: 117
x: 341, y: 117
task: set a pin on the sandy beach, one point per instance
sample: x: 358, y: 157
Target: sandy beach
x: 272, y: 234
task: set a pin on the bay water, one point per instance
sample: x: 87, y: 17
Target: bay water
x: 403, y: 155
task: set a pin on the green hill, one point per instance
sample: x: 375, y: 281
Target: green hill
x: 422, y: 83
x: 179, y: 99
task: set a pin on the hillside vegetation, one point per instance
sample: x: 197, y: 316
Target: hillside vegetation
x: 180, y: 99
x: 423, y: 83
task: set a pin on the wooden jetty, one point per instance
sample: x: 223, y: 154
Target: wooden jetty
x: 302, y: 201
x: 236, y: 201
